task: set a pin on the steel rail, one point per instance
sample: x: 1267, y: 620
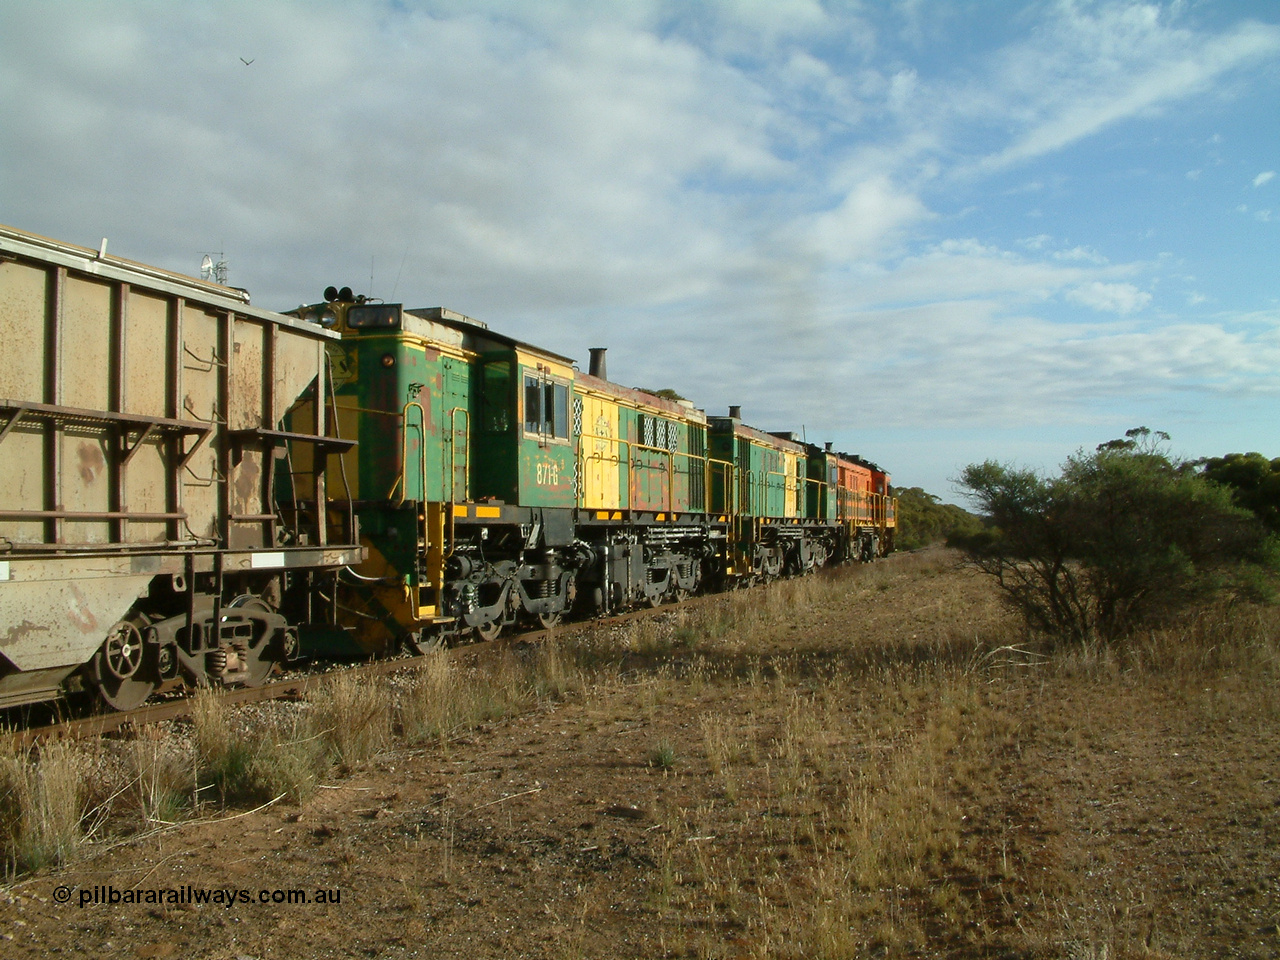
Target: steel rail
x: 98, y: 725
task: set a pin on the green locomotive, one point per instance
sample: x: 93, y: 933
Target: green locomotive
x: 494, y: 483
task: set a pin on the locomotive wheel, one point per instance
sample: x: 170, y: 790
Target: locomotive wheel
x: 421, y: 642
x: 489, y: 630
x: 119, y: 676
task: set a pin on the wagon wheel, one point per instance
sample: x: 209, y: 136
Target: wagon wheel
x: 257, y: 665
x: 489, y: 630
x: 257, y: 659
x: 549, y: 620
x: 117, y: 670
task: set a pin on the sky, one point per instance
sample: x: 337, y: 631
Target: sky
x: 932, y: 232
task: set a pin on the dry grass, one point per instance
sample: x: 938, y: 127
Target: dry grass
x: 160, y: 778
x: 846, y: 832
x: 865, y: 782
x: 440, y: 698
x: 161, y: 771
x: 223, y: 759
x: 42, y: 804
x: 352, y: 717
x: 875, y: 763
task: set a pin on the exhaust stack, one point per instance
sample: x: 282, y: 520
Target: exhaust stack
x: 597, y: 368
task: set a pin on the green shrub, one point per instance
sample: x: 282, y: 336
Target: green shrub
x: 1124, y: 538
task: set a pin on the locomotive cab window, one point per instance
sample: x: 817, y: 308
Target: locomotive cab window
x: 546, y: 407
x: 372, y: 315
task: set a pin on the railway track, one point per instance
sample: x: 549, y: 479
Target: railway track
x: 101, y: 724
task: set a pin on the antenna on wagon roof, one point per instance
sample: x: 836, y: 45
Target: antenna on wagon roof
x: 214, y: 270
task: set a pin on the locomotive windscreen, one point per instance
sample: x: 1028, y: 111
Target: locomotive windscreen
x: 374, y: 315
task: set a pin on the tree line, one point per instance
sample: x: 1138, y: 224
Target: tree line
x: 1124, y: 538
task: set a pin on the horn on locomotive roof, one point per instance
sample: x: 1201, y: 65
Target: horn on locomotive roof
x: 343, y: 296
x: 597, y: 368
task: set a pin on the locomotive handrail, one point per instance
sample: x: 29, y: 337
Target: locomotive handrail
x: 728, y: 483
x: 352, y: 533
x: 631, y: 465
x: 402, y: 482
x: 783, y: 486
x: 598, y: 455
x: 805, y: 484
x: 670, y: 464
x: 356, y: 408
x: 466, y: 455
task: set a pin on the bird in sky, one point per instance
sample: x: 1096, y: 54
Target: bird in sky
x: 247, y: 62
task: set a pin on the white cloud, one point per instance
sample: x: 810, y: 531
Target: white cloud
x: 1095, y: 65
x: 869, y: 217
x: 1081, y: 255
x: 1034, y: 186
x: 566, y: 165
x: 1262, y: 178
x: 903, y: 88
x: 1121, y: 298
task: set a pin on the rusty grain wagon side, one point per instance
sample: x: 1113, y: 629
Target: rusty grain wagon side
x: 145, y: 476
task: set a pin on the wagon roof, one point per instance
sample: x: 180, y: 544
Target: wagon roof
x: 86, y: 260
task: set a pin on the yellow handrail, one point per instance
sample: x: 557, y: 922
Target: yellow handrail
x: 630, y: 465
x: 402, y: 480
x: 466, y: 454
x: 729, y: 484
